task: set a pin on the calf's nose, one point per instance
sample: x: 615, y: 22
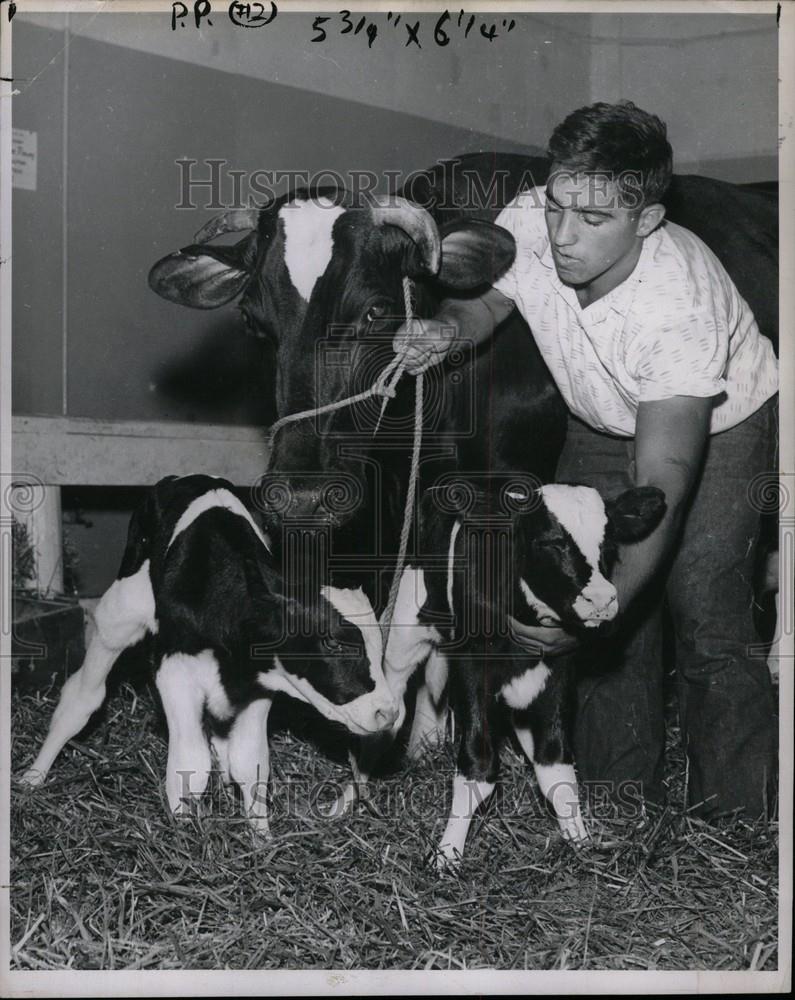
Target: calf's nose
x: 386, y: 715
x: 594, y: 606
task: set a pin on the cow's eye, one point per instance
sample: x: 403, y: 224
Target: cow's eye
x: 333, y: 645
x: 375, y: 312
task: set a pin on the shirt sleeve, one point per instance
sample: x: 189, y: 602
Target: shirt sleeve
x: 509, y: 219
x: 686, y: 359
x: 524, y: 219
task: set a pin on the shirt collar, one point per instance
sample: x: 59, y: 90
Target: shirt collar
x: 620, y: 298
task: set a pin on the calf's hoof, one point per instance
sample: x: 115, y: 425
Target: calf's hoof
x: 344, y: 803
x: 574, y: 832
x: 32, y: 778
x: 445, y: 860
x: 260, y: 827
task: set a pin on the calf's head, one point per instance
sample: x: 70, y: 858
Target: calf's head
x: 322, y: 279
x: 326, y: 650
x: 566, y: 547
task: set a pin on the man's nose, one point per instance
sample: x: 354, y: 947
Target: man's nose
x: 565, y: 234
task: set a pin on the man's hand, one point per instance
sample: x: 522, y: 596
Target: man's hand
x: 542, y: 640
x: 424, y: 342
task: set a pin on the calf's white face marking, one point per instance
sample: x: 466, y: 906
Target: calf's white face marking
x: 307, y: 241
x: 355, y: 607
x: 364, y: 714
x: 358, y: 715
x: 209, y: 501
x: 582, y: 513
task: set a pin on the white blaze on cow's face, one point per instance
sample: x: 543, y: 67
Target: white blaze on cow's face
x: 307, y: 240
x: 581, y: 512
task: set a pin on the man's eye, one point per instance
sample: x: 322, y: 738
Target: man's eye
x: 594, y: 220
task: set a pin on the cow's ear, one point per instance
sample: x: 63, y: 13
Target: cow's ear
x: 201, y: 276
x: 474, y: 253
x: 636, y: 512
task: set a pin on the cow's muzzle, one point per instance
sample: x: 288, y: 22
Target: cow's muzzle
x: 315, y: 499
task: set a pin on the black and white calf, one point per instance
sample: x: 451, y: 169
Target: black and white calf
x: 197, y: 574
x: 544, y: 557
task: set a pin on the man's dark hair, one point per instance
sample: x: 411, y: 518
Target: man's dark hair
x: 620, y: 140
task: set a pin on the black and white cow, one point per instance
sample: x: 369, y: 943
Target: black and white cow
x: 316, y: 271
x: 198, y: 576
x: 543, y: 556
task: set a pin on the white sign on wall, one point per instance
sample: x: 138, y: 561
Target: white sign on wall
x: 23, y: 159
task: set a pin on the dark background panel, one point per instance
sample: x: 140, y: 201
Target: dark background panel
x: 37, y: 242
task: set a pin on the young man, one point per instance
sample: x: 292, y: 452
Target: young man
x: 670, y: 384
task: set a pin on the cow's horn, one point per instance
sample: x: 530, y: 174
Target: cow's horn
x: 416, y: 222
x: 228, y: 222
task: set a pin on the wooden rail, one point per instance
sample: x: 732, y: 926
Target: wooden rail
x: 50, y: 452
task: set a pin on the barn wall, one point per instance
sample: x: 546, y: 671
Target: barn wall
x: 712, y: 78
x: 515, y: 87
x: 117, y: 99
x: 103, y: 345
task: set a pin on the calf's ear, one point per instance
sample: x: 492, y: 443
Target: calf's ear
x: 635, y: 513
x: 203, y: 277
x: 474, y: 253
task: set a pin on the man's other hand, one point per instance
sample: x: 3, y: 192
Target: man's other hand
x: 542, y: 640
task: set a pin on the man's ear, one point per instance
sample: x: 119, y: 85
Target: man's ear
x: 650, y: 217
x: 635, y: 513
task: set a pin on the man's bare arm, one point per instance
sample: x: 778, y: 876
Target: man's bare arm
x: 670, y: 437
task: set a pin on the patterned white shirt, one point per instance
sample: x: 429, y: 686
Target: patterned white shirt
x: 677, y: 326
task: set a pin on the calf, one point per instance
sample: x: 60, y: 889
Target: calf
x: 542, y: 556
x: 197, y: 575
x: 549, y: 567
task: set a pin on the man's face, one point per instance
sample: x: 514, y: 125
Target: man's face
x: 594, y: 238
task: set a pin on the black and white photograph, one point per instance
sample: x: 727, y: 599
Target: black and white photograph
x: 397, y: 500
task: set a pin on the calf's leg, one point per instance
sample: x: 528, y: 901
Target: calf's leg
x: 430, y: 715
x: 249, y: 761
x: 478, y: 761
x: 183, y: 695
x: 122, y: 617
x: 541, y: 732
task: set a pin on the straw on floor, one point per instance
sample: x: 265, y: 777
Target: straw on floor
x: 104, y: 878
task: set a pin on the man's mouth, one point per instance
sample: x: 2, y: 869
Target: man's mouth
x: 564, y: 258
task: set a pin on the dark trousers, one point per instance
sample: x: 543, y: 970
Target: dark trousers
x: 727, y: 707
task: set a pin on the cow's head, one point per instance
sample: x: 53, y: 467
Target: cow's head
x: 567, y: 546
x: 323, y: 280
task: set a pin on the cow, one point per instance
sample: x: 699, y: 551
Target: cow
x: 197, y: 576
x: 317, y: 271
